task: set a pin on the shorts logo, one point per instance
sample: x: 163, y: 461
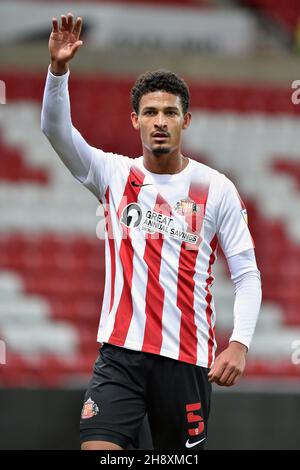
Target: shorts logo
x: 189, y: 444
x: 89, y: 409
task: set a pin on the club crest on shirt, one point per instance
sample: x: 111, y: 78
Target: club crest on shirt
x: 186, y: 207
x: 89, y: 409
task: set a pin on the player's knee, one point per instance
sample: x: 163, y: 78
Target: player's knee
x: 99, y: 445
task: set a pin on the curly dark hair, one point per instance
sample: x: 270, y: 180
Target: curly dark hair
x: 160, y: 80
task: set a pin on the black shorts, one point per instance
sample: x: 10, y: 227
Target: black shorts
x: 127, y: 384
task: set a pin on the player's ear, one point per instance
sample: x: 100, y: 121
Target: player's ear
x: 135, y: 121
x: 186, y: 120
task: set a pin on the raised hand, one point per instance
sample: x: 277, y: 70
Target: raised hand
x: 64, y: 42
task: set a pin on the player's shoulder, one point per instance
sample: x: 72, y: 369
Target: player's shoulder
x: 114, y: 160
x: 220, y: 185
x: 212, y: 175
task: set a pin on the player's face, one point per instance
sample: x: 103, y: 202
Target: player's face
x: 160, y: 121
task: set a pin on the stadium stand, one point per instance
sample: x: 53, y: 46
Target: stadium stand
x: 52, y: 263
x: 285, y: 12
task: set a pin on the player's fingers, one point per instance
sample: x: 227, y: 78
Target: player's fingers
x: 55, y: 25
x: 211, y: 375
x: 227, y: 372
x: 70, y: 22
x: 64, y: 24
x: 213, y: 370
x: 232, y: 379
x: 77, y: 28
x: 75, y: 47
x: 216, y: 372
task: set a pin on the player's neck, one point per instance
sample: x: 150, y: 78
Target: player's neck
x: 165, y: 163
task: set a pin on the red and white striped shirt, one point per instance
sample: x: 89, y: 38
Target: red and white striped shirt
x: 162, y: 233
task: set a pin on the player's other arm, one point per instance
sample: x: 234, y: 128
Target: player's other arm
x: 230, y: 363
x: 56, y: 121
x: 237, y: 245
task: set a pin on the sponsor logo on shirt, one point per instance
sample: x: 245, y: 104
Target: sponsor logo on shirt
x: 157, y: 222
x: 152, y: 222
x: 131, y: 215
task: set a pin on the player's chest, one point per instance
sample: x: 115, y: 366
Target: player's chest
x: 170, y: 208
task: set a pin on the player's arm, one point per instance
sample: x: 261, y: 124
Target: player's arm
x: 56, y: 121
x: 237, y: 244
x: 230, y: 364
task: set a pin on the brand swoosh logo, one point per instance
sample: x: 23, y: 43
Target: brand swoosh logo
x: 139, y: 185
x: 193, y: 444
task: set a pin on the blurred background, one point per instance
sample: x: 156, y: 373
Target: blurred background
x: 240, y: 58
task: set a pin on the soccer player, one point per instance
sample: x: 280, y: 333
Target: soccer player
x: 165, y: 216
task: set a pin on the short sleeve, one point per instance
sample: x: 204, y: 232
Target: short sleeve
x: 231, y: 221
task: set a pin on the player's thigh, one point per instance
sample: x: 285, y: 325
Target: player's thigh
x: 114, y: 407
x: 179, y: 406
x: 100, y: 445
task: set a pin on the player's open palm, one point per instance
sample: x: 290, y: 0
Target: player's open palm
x: 64, y: 39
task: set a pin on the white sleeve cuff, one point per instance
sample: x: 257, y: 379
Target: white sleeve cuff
x: 57, y: 78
